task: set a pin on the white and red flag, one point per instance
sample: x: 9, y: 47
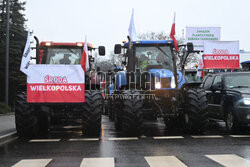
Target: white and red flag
x: 26, y: 56
x: 55, y: 84
x: 172, y: 34
x: 221, y: 54
x: 200, y: 73
x: 85, y: 57
x: 131, y: 29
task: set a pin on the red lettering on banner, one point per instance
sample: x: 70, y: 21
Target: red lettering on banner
x: 220, y: 51
x: 55, y: 79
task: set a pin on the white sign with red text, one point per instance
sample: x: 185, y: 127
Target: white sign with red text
x: 221, y: 54
x: 55, y: 84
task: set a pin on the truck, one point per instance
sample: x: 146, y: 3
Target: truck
x: 36, y: 113
x: 152, y: 84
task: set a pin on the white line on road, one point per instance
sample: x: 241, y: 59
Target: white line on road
x: 230, y: 160
x: 168, y: 137
x: 33, y: 163
x: 207, y: 136
x: 123, y: 138
x: 72, y: 127
x: 166, y: 161
x: 85, y: 139
x: 240, y: 136
x: 98, y: 162
x: 7, y: 135
x: 44, y: 140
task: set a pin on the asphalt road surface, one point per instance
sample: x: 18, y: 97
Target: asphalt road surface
x: 157, y: 147
x: 7, y: 124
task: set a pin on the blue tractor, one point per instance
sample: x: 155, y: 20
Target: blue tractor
x: 150, y: 85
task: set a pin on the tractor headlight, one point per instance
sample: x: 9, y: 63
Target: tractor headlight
x: 172, y: 85
x: 246, y: 101
x: 157, y: 85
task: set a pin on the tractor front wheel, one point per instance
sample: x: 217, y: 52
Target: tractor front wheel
x: 195, y: 110
x: 91, y: 113
x: 132, y: 118
x: 26, y: 120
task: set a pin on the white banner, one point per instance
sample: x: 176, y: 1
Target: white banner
x: 55, y: 84
x: 221, y: 54
x: 38, y: 73
x: 221, y: 47
x: 197, y: 35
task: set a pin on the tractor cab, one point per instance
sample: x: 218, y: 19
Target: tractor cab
x: 155, y: 58
x: 48, y: 52
x: 148, y: 55
x: 61, y: 53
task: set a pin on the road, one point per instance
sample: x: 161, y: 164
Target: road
x: 7, y: 124
x: 157, y: 147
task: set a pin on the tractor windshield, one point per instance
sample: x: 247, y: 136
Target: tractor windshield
x: 153, y: 57
x: 63, y: 55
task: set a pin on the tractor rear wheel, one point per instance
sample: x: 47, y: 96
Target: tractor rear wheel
x: 91, y: 113
x: 26, y: 120
x: 195, y: 110
x: 132, y: 118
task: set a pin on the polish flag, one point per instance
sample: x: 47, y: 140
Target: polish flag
x: 200, y: 73
x: 85, y: 57
x: 172, y: 34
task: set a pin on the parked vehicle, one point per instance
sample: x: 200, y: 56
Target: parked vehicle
x: 228, y: 97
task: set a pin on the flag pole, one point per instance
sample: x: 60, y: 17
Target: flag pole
x: 7, y: 54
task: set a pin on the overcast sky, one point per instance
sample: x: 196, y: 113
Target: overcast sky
x: 105, y: 22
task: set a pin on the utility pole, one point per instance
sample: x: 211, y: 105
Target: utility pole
x: 7, y: 53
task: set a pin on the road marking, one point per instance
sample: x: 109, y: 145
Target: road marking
x: 123, y: 138
x: 230, y: 160
x: 85, y: 139
x: 168, y: 137
x: 207, y: 136
x: 7, y: 135
x: 98, y: 162
x: 103, y: 133
x: 240, y: 136
x: 143, y: 136
x: 72, y: 127
x: 33, y: 163
x: 44, y: 140
x: 166, y: 161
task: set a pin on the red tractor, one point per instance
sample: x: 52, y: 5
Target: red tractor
x: 39, y: 107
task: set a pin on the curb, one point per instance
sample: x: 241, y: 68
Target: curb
x: 7, y: 114
x: 8, y: 137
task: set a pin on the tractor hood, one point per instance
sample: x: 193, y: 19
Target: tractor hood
x: 162, y: 73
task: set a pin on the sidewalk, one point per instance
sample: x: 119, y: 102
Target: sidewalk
x: 7, y: 124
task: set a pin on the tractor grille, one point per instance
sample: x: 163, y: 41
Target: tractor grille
x: 165, y: 82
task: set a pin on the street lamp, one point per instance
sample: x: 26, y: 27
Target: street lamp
x: 7, y: 54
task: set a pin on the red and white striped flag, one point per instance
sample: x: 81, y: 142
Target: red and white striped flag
x: 85, y: 57
x: 200, y: 73
x: 172, y: 34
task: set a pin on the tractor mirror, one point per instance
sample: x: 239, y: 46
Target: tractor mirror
x: 118, y: 48
x: 98, y: 69
x: 92, y: 59
x: 101, y: 50
x: 190, y: 47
